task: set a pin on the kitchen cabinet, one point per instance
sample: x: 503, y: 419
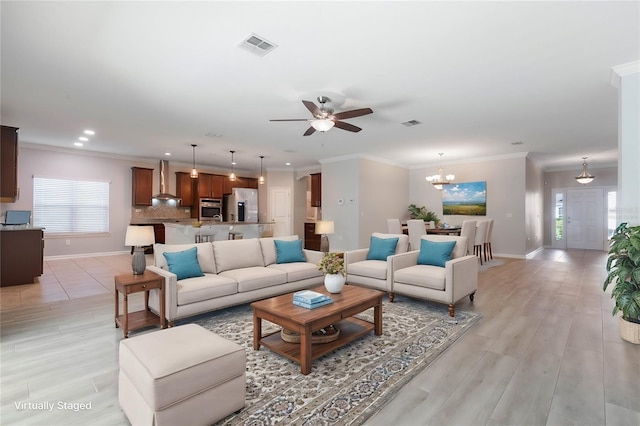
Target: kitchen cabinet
x: 240, y: 182
x: 185, y: 189
x: 9, y: 165
x: 22, y: 253
x: 142, y: 186
x: 311, y: 239
x: 210, y: 186
x: 251, y: 183
x: 316, y: 190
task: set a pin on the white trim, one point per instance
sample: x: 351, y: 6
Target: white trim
x: 475, y: 160
x: 532, y: 254
x: 74, y: 256
x: 360, y: 157
x: 623, y: 70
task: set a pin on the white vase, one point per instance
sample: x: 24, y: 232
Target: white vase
x: 334, y: 282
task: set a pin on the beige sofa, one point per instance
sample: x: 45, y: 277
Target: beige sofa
x: 448, y: 284
x: 235, y: 272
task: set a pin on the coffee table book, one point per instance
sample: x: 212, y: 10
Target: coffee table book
x: 314, y: 305
x: 309, y: 296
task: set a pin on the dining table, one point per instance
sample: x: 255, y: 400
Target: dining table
x: 452, y: 230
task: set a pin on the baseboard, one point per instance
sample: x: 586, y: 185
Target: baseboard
x: 77, y: 255
x: 532, y: 254
x: 510, y: 256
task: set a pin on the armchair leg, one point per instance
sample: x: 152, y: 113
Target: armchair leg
x: 451, y: 310
x: 391, y: 295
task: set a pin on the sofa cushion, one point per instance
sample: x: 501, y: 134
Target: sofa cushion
x: 433, y: 253
x: 403, y: 241
x: 426, y: 276
x: 269, y: 248
x: 381, y: 248
x: 237, y: 254
x: 289, y: 251
x: 205, y: 255
x: 184, y: 263
x: 369, y: 268
x: 297, y: 271
x: 210, y: 286
x: 253, y: 278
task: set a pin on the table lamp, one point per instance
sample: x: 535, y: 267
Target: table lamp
x: 139, y: 236
x: 324, y: 227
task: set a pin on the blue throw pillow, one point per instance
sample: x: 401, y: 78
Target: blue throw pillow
x: 381, y: 248
x: 436, y: 254
x: 184, y: 263
x: 289, y: 251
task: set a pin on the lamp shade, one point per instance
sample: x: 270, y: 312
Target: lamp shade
x: 324, y: 227
x: 322, y: 125
x: 139, y: 236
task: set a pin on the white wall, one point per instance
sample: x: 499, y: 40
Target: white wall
x: 534, y: 207
x: 629, y: 149
x: 340, y: 181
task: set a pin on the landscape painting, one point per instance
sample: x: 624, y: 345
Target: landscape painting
x: 469, y: 199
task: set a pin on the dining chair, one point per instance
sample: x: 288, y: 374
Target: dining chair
x: 487, y: 241
x: 416, y: 228
x: 431, y: 224
x: 469, y: 230
x: 481, y: 234
x: 393, y: 226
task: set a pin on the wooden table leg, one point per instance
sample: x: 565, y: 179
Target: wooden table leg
x: 257, y: 331
x: 125, y: 316
x: 305, y: 351
x: 377, y: 317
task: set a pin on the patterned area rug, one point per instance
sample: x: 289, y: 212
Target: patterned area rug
x: 348, y: 385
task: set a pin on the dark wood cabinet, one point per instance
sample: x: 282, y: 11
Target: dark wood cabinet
x: 251, y: 183
x: 210, y: 186
x: 311, y: 239
x: 316, y: 190
x: 22, y: 253
x: 142, y: 186
x: 185, y: 189
x: 240, y: 182
x: 9, y: 164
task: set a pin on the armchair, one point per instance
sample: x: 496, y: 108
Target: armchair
x: 448, y: 284
x: 373, y: 273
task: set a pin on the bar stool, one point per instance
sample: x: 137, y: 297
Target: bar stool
x: 233, y: 235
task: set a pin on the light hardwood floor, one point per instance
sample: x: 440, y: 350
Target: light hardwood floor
x: 547, y: 350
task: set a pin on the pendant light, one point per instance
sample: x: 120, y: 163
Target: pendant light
x: 261, y: 178
x: 440, y: 179
x: 232, y: 176
x: 584, y: 177
x: 194, y: 172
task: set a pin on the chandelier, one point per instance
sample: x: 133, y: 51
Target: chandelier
x: 584, y: 177
x: 440, y: 179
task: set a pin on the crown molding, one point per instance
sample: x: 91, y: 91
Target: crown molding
x: 623, y: 70
x: 473, y: 161
x: 360, y: 157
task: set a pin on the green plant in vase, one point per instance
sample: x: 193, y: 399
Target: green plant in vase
x: 332, y: 265
x: 623, y: 269
x: 421, y: 213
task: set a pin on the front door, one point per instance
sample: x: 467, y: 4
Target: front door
x: 585, y: 219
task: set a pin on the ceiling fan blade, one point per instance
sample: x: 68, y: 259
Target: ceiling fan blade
x: 353, y: 113
x: 309, y: 131
x: 346, y: 126
x: 312, y: 107
x: 290, y: 119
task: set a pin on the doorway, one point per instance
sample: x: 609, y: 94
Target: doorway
x: 280, y: 208
x: 578, y: 219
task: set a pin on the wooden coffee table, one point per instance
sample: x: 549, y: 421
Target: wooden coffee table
x: 280, y: 310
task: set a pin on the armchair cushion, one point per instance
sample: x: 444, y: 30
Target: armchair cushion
x: 184, y: 263
x: 433, y: 253
x: 381, y: 248
x: 289, y: 251
x: 369, y: 268
x: 426, y: 276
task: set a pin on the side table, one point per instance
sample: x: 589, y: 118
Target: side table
x: 128, y: 284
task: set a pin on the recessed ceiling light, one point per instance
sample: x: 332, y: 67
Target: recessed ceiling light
x: 89, y: 132
x: 288, y: 164
x: 83, y: 139
x: 78, y: 143
x: 167, y: 153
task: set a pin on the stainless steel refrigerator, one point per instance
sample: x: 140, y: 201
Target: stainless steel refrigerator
x: 241, y: 205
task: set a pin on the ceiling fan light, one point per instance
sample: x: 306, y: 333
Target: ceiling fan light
x: 322, y: 125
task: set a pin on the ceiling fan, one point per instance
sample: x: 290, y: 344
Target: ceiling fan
x: 324, y: 118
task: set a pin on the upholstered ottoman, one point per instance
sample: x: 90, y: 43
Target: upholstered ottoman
x: 184, y: 375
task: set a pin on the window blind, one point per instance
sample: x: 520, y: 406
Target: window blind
x: 65, y: 206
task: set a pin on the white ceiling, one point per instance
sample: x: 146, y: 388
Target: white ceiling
x: 156, y: 77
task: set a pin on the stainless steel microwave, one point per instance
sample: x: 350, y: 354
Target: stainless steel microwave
x: 210, y: 209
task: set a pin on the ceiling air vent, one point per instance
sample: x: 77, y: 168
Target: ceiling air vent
x: 411, y: 123
x: 257, y: 45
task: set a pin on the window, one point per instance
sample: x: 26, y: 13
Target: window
x: 611, y: 213
x: 65, y: 206
x: 559, y: 216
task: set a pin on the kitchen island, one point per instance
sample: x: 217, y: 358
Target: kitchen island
x: 185, y: 233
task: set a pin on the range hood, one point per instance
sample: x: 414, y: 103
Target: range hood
x: 164, y: 183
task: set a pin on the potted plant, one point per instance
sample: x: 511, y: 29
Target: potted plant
x: 332, y: 265
x: 422, y: 213
x: 623, y: 268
